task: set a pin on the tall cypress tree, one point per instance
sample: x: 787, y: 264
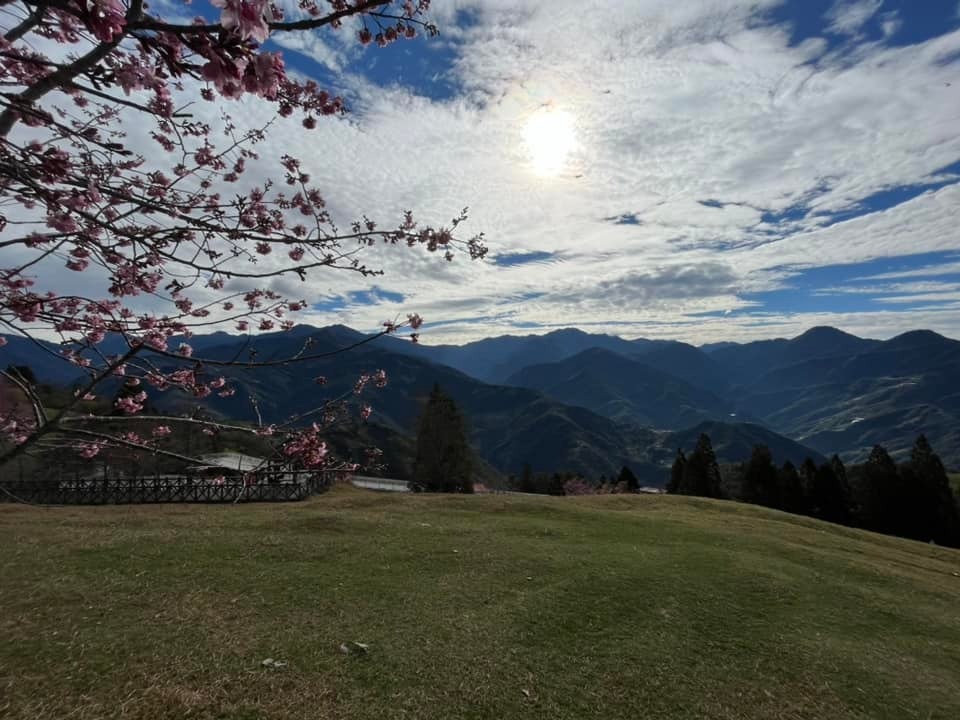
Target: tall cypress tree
x: 675, y: 485
x: 444, y: 458
x: 760, y: 479
x: 701, y: 474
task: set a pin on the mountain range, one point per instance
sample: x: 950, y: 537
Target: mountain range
x: 574, y: 401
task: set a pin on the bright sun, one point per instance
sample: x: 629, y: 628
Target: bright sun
x: 549, y: 138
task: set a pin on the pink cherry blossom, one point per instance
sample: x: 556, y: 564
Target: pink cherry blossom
x: 107, y: 18
x: 246, y: 17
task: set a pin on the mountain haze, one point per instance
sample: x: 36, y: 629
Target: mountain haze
x: 575, y: 401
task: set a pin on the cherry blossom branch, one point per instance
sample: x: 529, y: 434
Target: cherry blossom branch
x: 124, y: 442
x: 149, y: 23
x: 275, y: 363
x: 30, y: 22
x: 64, y: 75
x: 39, y: 412
x: 54, y: 423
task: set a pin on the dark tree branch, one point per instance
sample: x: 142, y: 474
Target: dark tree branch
x: 64, y: 76
x: 149, y: 23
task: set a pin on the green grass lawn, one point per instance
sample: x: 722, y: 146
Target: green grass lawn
x: 473, y: 607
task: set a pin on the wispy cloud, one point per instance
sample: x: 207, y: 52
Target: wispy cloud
x: 717, y: 156
x: 846, y: 17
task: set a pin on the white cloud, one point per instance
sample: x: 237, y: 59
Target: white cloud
x: 846, y: 17
x: 947, y: 268
x: 676, y: 104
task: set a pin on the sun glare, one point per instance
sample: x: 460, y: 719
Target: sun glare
x: 549, y: 137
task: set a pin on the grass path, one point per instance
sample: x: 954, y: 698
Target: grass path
x: 474, y: 607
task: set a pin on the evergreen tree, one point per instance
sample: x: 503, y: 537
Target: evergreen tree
x: 701, y: 475
x: 675, y: 485
x: 877, y: 493
x: 933, y: 507
x: 828, y: 493
x: 790, y: 489
x: 527, y: 483
x: 627, y: 477
x: 444, y: 459
x: 840, y: 471
x: 808, y: 470
x: 555, y: 486
x: 760, y: 479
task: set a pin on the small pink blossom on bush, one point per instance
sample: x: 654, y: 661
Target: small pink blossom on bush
x: 161, y: 431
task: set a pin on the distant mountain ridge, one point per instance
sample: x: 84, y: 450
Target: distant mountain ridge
x: 624, y: 389
x: 570, y: 400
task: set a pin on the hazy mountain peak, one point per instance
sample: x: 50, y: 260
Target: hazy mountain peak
x: 918, y: 337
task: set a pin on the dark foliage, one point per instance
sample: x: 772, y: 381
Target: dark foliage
x: 444, y: 459
x: 701, y: 473
x: 627, y: 478
x: 675, y: 485
x: 760, y: 479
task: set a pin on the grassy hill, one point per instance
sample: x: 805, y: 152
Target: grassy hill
x: 473, y: 607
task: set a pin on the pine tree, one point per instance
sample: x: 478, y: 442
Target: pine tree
x: 760, y: 479
x: 701, y: 474
x: 877, y: 493
x: 555, y: 486
x: 828, y: 494
x: 933, y: 509
x: 627, y: 477
x: 444, y: 458
x: 675, y: 485
x: 790, y: 489
x: 527, y: 483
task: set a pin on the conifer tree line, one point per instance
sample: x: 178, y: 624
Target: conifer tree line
x: 912, y: 499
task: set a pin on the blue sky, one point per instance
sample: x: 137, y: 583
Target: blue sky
x: 698, y: 170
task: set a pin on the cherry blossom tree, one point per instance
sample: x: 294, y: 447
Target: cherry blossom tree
x: 179, y: 239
